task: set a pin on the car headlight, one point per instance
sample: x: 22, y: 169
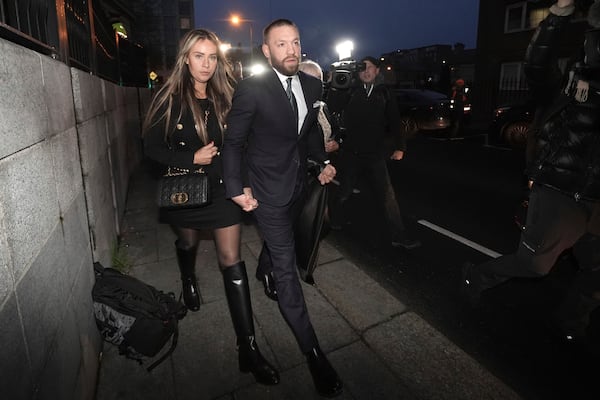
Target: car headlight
x: 500, y: 110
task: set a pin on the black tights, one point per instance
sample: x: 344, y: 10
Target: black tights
x: 227, y: 242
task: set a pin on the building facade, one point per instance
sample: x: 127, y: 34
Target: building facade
x: 433, y: 67
x: 504, y: 30
x: 158, y: 26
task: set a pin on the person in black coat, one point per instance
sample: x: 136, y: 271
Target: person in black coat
x: 183, y: 130
x: 563, y: 168
x: 369, y: 112
x: 271, y: 131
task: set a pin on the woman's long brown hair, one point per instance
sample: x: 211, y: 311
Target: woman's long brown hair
x: 180, y: 86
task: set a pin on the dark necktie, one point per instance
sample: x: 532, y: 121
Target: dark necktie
x: 291, y: 97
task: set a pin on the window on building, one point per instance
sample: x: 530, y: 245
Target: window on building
x: 185, y: 23
x: 511, y: 76
x: 523, y: 16
x: 515, y: 17
x: 536, y: 16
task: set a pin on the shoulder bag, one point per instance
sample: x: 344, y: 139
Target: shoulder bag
x: 182, y: 188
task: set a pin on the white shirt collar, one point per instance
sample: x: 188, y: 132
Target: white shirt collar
x: 298, y: 93
x: 283, y: 78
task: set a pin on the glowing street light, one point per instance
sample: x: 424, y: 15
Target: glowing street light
x: 344, y: 49
x: 237, y: 21
x: 257, y: 69
x: 225, y: 47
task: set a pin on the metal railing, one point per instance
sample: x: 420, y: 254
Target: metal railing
x: 26, y: 22
x: 77, y: 32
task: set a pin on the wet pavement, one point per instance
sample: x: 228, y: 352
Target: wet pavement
x: 381, y: 348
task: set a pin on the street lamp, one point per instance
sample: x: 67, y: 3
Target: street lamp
x: 237, y: 21
x: 225, y: 47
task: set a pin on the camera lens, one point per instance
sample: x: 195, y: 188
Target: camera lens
x: 341, y: 79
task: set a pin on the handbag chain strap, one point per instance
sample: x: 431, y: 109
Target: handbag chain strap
x: 176, y: 171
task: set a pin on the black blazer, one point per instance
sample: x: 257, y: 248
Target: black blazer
x: 262, y: 136
x: 183, y: 144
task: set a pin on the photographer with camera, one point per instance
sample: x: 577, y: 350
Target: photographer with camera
x: 368, y: 111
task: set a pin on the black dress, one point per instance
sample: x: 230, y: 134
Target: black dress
x: 221, y: 212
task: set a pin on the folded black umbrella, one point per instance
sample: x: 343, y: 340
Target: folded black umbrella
x: 309, y: 228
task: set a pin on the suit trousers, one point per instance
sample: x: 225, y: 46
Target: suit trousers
x: 555, y: 222
x: 276, y: 226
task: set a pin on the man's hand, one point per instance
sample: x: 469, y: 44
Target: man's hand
x: 397, y: 155
x: 327, y: 174
x: 246, y: 201
x: 331, y: 146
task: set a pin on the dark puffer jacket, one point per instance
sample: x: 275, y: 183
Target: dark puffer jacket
x: 566, y: 155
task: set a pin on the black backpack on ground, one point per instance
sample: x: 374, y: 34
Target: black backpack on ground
x: 135, y: 316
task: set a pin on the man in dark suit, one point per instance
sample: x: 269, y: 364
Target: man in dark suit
x: 271, y: 130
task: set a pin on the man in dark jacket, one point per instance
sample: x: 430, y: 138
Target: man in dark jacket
x: 369, y: 113
x: 564, y: 169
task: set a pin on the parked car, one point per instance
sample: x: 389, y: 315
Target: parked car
x: 423, y: 110
x: 510, y: 124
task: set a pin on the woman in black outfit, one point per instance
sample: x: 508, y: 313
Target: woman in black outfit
x: 183, y: 130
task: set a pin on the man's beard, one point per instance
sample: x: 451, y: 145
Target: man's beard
x: 285, y: 69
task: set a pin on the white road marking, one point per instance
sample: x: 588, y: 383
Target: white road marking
x: 460, y: 239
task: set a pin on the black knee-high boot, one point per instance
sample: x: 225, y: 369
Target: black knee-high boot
x: 240, y: 308
x: 186, y: 258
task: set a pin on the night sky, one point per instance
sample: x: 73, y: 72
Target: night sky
x: 375, y: 26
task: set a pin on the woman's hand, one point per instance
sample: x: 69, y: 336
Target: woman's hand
x: 205, y: 154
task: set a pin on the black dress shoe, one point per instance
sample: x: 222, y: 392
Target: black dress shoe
x: 475, y: 280
x: 469, y: 289
x: 268, y: 284
x: 327, y: 381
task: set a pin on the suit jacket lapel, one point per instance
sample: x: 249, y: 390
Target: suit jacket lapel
x: 277, y: 88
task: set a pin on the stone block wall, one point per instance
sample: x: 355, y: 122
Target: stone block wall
x: 68, y: 143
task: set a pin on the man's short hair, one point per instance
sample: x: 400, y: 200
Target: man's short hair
x: 372, y: 60
x: 275, y: 24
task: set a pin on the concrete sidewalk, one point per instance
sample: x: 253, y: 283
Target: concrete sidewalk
x: 380, y: 348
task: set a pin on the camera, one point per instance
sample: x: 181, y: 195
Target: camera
x: 344, y: 74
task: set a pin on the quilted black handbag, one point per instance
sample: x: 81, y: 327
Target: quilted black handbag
x: 180, y: 188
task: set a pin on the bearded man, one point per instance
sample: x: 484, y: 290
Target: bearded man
x: 271, y: 131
